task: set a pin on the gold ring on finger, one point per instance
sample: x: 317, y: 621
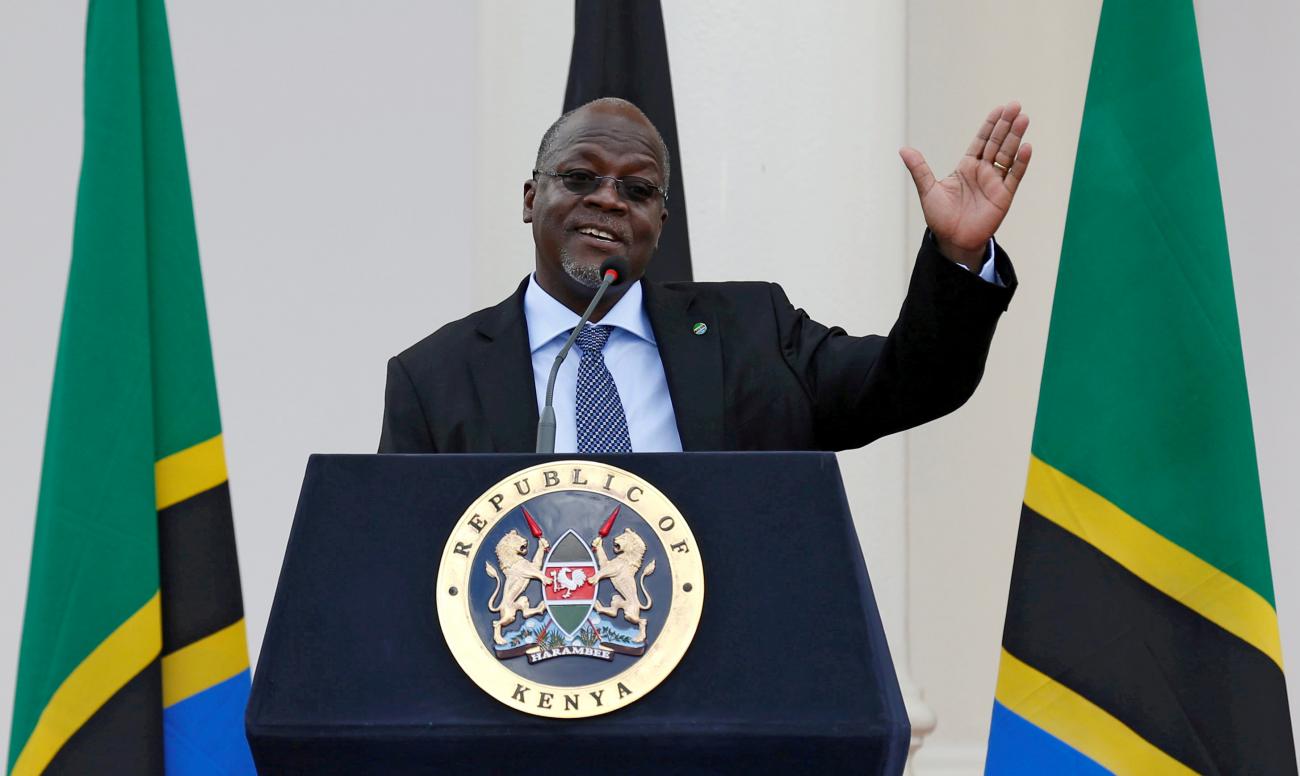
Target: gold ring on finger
x: 1005, y: 169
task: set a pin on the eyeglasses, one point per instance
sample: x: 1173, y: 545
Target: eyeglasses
x: 584, y: 182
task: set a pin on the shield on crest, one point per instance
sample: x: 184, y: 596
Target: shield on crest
x: 571, y: 593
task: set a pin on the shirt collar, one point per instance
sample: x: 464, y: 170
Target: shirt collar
x: 548, y: 319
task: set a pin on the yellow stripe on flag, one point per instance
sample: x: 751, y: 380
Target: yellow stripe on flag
x: 206, y: 663
x: 1159, y: 562
x: 127, y: 651
x: 1079, y: 722
x: 189, y: 472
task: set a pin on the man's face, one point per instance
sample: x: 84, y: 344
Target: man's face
x: 603, y: 141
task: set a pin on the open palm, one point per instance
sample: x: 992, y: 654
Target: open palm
x: 964, y: 209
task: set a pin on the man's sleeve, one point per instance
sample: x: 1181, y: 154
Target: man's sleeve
x: 404, y: 428
x: 863, y: 388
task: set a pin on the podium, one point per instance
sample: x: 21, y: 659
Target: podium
x: 789, y: 670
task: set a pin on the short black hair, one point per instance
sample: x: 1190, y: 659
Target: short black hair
x: 547, y: 146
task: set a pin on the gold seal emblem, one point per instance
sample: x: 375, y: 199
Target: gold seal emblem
x: 570, y: 589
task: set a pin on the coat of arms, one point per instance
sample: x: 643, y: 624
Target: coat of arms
x: 570, y: 619
x: 557, y: 574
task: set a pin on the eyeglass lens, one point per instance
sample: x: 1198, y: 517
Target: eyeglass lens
x: 632, y: 189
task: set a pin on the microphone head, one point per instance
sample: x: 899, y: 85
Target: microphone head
x: 619, y: 266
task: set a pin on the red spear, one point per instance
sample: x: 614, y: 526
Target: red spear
x: 534, y: 527
x: 609, y: 523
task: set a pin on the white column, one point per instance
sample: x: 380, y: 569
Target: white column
x: 967, y: 471
x: 790, y: 116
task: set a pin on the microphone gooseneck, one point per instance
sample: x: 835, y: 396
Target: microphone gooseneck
x: 613, y: 271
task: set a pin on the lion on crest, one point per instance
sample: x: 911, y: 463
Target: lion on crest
x: 621, y: 571
x: 512, y: 550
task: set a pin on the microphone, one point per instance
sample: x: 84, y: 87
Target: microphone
x: 613, y: 272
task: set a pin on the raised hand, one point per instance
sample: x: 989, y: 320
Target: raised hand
x: 966, y: 208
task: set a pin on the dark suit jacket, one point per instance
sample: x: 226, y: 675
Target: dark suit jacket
x: 764, y: 377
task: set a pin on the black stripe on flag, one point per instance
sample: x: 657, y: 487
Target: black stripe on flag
x: 199, y: 568
x: 123, y: 736
x: 1189, y: 687
x: 619, y: 50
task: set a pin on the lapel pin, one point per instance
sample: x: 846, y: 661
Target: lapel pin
x: 699, y: 329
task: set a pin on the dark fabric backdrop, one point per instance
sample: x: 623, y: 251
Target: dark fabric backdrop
x: 619, y: 50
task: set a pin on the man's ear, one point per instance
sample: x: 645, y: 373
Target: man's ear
x: 530, y: 191
x: 663, y: 218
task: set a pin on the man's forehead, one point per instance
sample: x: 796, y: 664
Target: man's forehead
x: 601, y: 149
x: 609, y: 134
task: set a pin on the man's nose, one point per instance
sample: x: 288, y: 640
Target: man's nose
x: 606, y: 196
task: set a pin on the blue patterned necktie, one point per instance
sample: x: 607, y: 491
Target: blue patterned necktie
x: 602, y: 426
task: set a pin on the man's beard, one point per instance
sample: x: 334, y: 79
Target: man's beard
x: 585, y: 273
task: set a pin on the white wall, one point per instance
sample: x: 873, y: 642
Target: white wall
x: 329, y: 160
x: 330, y: 145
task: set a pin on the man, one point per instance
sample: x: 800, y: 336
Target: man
x: 702, y: 366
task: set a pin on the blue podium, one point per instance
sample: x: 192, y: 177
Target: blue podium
x: 788, y: 671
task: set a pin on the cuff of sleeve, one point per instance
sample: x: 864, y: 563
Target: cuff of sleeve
x: 989, y: 272
x: 965, y: 287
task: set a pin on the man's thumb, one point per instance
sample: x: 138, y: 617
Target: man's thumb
x: 920, y: 170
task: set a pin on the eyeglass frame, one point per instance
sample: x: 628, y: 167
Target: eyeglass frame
x: 618, y: 183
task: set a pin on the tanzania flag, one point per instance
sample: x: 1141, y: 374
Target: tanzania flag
x: 619, y: 50
x: 1141, y: 634
x: 134, y: 658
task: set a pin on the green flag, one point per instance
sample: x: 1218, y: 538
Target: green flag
x: 1141, y: 634
x: 134, y: 621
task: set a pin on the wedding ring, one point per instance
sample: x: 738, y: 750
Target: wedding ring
x: 1002, y: 167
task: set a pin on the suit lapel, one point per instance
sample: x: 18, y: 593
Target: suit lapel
x: 502, y: 366
x: 692, y: 364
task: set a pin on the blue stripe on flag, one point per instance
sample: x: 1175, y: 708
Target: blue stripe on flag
x: 204, y: 734
x: 1016, y: 747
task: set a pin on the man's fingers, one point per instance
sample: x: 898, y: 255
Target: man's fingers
x: 982, y: 136
x: 1000, y: 131
x: 1007, y: 151
x: 1017, y: 171
x: 920, y: 170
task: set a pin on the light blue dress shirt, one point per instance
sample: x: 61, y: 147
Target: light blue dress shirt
x: 632, y: 356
